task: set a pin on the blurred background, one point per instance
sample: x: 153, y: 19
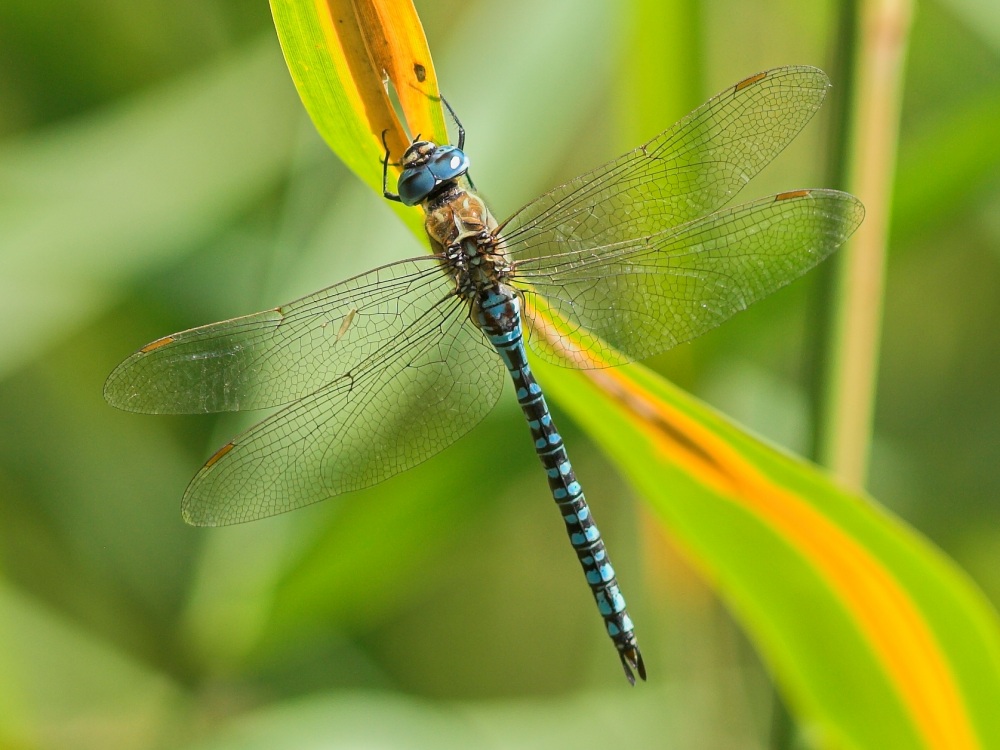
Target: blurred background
x: 157, y: 172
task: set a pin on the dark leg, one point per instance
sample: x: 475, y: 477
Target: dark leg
x: 458, y: 124
x: 385, y: 173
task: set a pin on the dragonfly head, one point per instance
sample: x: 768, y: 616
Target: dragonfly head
x: 427, y: 166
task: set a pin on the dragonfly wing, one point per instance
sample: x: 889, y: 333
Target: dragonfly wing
x: 692, y: 168
x: 404, y: 403
x: 276, y: 356
x: 644, y: 296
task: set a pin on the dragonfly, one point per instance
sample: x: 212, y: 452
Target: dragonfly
x: 378, y: 373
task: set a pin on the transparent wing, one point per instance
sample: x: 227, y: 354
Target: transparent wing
x: 644, y: 296
x: 408, y: 400
x: 692, y: 168
x: 273, y: 357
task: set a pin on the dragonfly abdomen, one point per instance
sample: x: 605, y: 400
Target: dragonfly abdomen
x: 498, y: 314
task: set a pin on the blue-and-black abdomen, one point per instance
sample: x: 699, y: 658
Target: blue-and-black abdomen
x: 499, y: 316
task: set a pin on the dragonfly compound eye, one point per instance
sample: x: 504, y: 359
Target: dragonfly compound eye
x: 415, y: 184
x: 423, y: 172
x: 448, y: 163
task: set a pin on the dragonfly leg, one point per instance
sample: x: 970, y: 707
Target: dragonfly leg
x: 385, y: 174
x: 461, y: 136
x: 458, y: 124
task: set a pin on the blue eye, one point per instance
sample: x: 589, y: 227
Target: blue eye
x: 448, y: 162
x: 415, y: 185
x: 444, y: 163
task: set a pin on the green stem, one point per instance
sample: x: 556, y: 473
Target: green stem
x: 845, y: 431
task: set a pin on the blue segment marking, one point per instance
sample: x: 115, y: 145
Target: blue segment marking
x: 568, y: 495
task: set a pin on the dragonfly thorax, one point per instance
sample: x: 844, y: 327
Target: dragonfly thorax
x: 428, y: 169
x: 464, y: 233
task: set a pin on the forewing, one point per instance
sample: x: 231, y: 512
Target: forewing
x: 401, y: 405
x: 689, y: 170
x: 633, y: 299
x: 273, y: 357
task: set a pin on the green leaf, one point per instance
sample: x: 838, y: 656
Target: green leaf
x: 877, y: 639
x: 60, y: 688
x: 91, y: 204
x: 339, y: 53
